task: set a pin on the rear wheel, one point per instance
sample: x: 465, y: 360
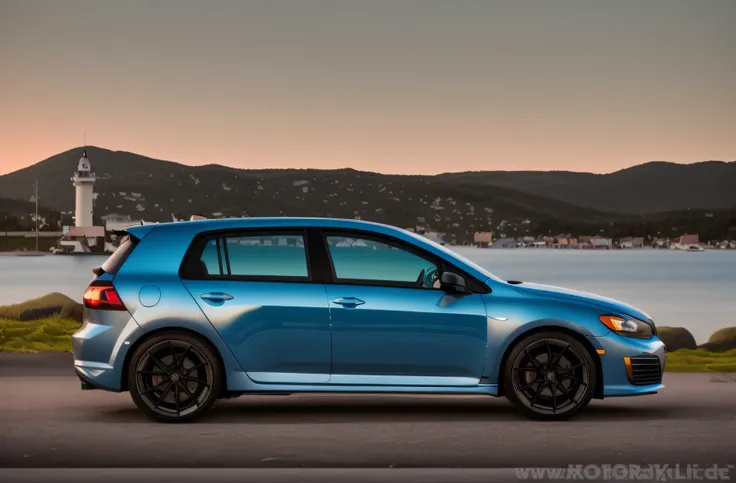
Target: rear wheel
x: 549, y: 375
x: 174, y: 377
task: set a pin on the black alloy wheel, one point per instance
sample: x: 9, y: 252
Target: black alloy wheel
x: 174, y: 377
x: 549, y: 375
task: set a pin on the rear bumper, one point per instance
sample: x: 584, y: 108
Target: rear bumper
x: 616, y: 380
x: 100, y: 347
x: 87, y: 383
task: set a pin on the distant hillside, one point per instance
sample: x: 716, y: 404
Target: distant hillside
x: 18, y: 215
x: 455, y: 204
x: 153, y: 189
x: 648, y: 188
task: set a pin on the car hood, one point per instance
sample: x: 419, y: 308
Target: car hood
x: 606, y: 304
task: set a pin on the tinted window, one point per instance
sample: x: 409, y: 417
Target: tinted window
x: 368, y: 260
x: 118, y: 257
x: 278, y: 255
x: 209, y: 260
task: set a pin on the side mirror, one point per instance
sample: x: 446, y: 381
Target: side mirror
x: 452, y: 282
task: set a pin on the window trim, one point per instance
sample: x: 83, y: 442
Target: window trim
x: 442, y: 264
x: 198, y: 244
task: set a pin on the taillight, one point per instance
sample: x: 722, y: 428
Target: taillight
x: 102, y: 297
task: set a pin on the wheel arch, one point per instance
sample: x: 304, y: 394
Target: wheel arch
x: 597, y: 393
x: 134, y: 346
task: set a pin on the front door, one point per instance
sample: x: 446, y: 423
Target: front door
x: 256, y: 290
x: 392, y: 325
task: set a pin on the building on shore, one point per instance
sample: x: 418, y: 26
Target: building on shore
x: 504, y: 243
x: 562, y: 243
x: 626, y: 242
x: 527, y: 241
x: 600, y: 242
x: 687, y: 242
x: 84, y: 239
x: 483, y: 238
x: 631, y: 242
x: 661, y: 243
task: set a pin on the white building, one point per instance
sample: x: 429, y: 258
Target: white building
x: 601, y: 242
x: 84, y: 180
x: 84, y: 239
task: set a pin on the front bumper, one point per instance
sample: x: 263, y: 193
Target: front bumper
x: 616, y: 380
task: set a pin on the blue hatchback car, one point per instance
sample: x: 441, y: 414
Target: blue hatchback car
x: 185, y: 313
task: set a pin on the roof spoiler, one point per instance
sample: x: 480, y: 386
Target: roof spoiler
x: 139, y: 231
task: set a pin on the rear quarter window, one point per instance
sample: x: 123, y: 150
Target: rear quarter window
x: 117, y: 259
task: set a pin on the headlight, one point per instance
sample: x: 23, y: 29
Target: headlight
x: 627, y: 326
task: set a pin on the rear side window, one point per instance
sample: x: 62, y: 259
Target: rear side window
x: 116, y: 260
x: 266, y: 256
x: 262, y: 256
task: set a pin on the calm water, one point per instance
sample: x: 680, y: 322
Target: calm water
x: 692, y: 290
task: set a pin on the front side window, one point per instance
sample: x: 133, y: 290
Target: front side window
x: 270, y: 255
x: 365, y: 260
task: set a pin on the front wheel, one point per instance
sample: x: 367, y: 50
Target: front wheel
x: 174, y: 377
x: 549, y: 376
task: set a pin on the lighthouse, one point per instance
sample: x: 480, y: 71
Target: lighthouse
x: 84, y: 180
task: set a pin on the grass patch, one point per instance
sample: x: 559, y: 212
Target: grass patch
x: 701, y: 360
x: 53, y: 334
x: 54, y: 299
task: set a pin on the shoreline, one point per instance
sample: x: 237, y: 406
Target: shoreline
x: 23, y: 253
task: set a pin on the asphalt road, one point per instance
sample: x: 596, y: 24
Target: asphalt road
x: 46, y: 421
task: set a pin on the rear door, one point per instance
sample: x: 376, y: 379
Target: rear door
x: 257, y: 289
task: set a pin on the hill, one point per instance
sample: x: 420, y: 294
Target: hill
x: 456, y: 204
x: 18, y: 215
x: 647, y: 188
x: 153, y: 189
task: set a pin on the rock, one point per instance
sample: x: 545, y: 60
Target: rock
x: 676, y: 338
x: 722, y: 340
x: 39, y: 313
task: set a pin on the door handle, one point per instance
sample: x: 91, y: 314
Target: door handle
x: 348, y: 301
x: 216, y: 297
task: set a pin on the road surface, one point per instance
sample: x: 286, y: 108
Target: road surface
x: 48, y: 422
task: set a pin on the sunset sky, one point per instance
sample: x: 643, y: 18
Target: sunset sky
x: 395, y: 86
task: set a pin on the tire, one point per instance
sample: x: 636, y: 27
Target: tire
x: 549, y: 376
x: 174, y: 377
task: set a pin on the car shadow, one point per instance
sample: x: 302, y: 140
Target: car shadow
x: 300, y: 410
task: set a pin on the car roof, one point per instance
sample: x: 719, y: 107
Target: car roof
x: 199, y: 226
x: 185, y: 231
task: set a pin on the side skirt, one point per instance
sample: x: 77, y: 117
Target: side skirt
x: 239, y: 382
